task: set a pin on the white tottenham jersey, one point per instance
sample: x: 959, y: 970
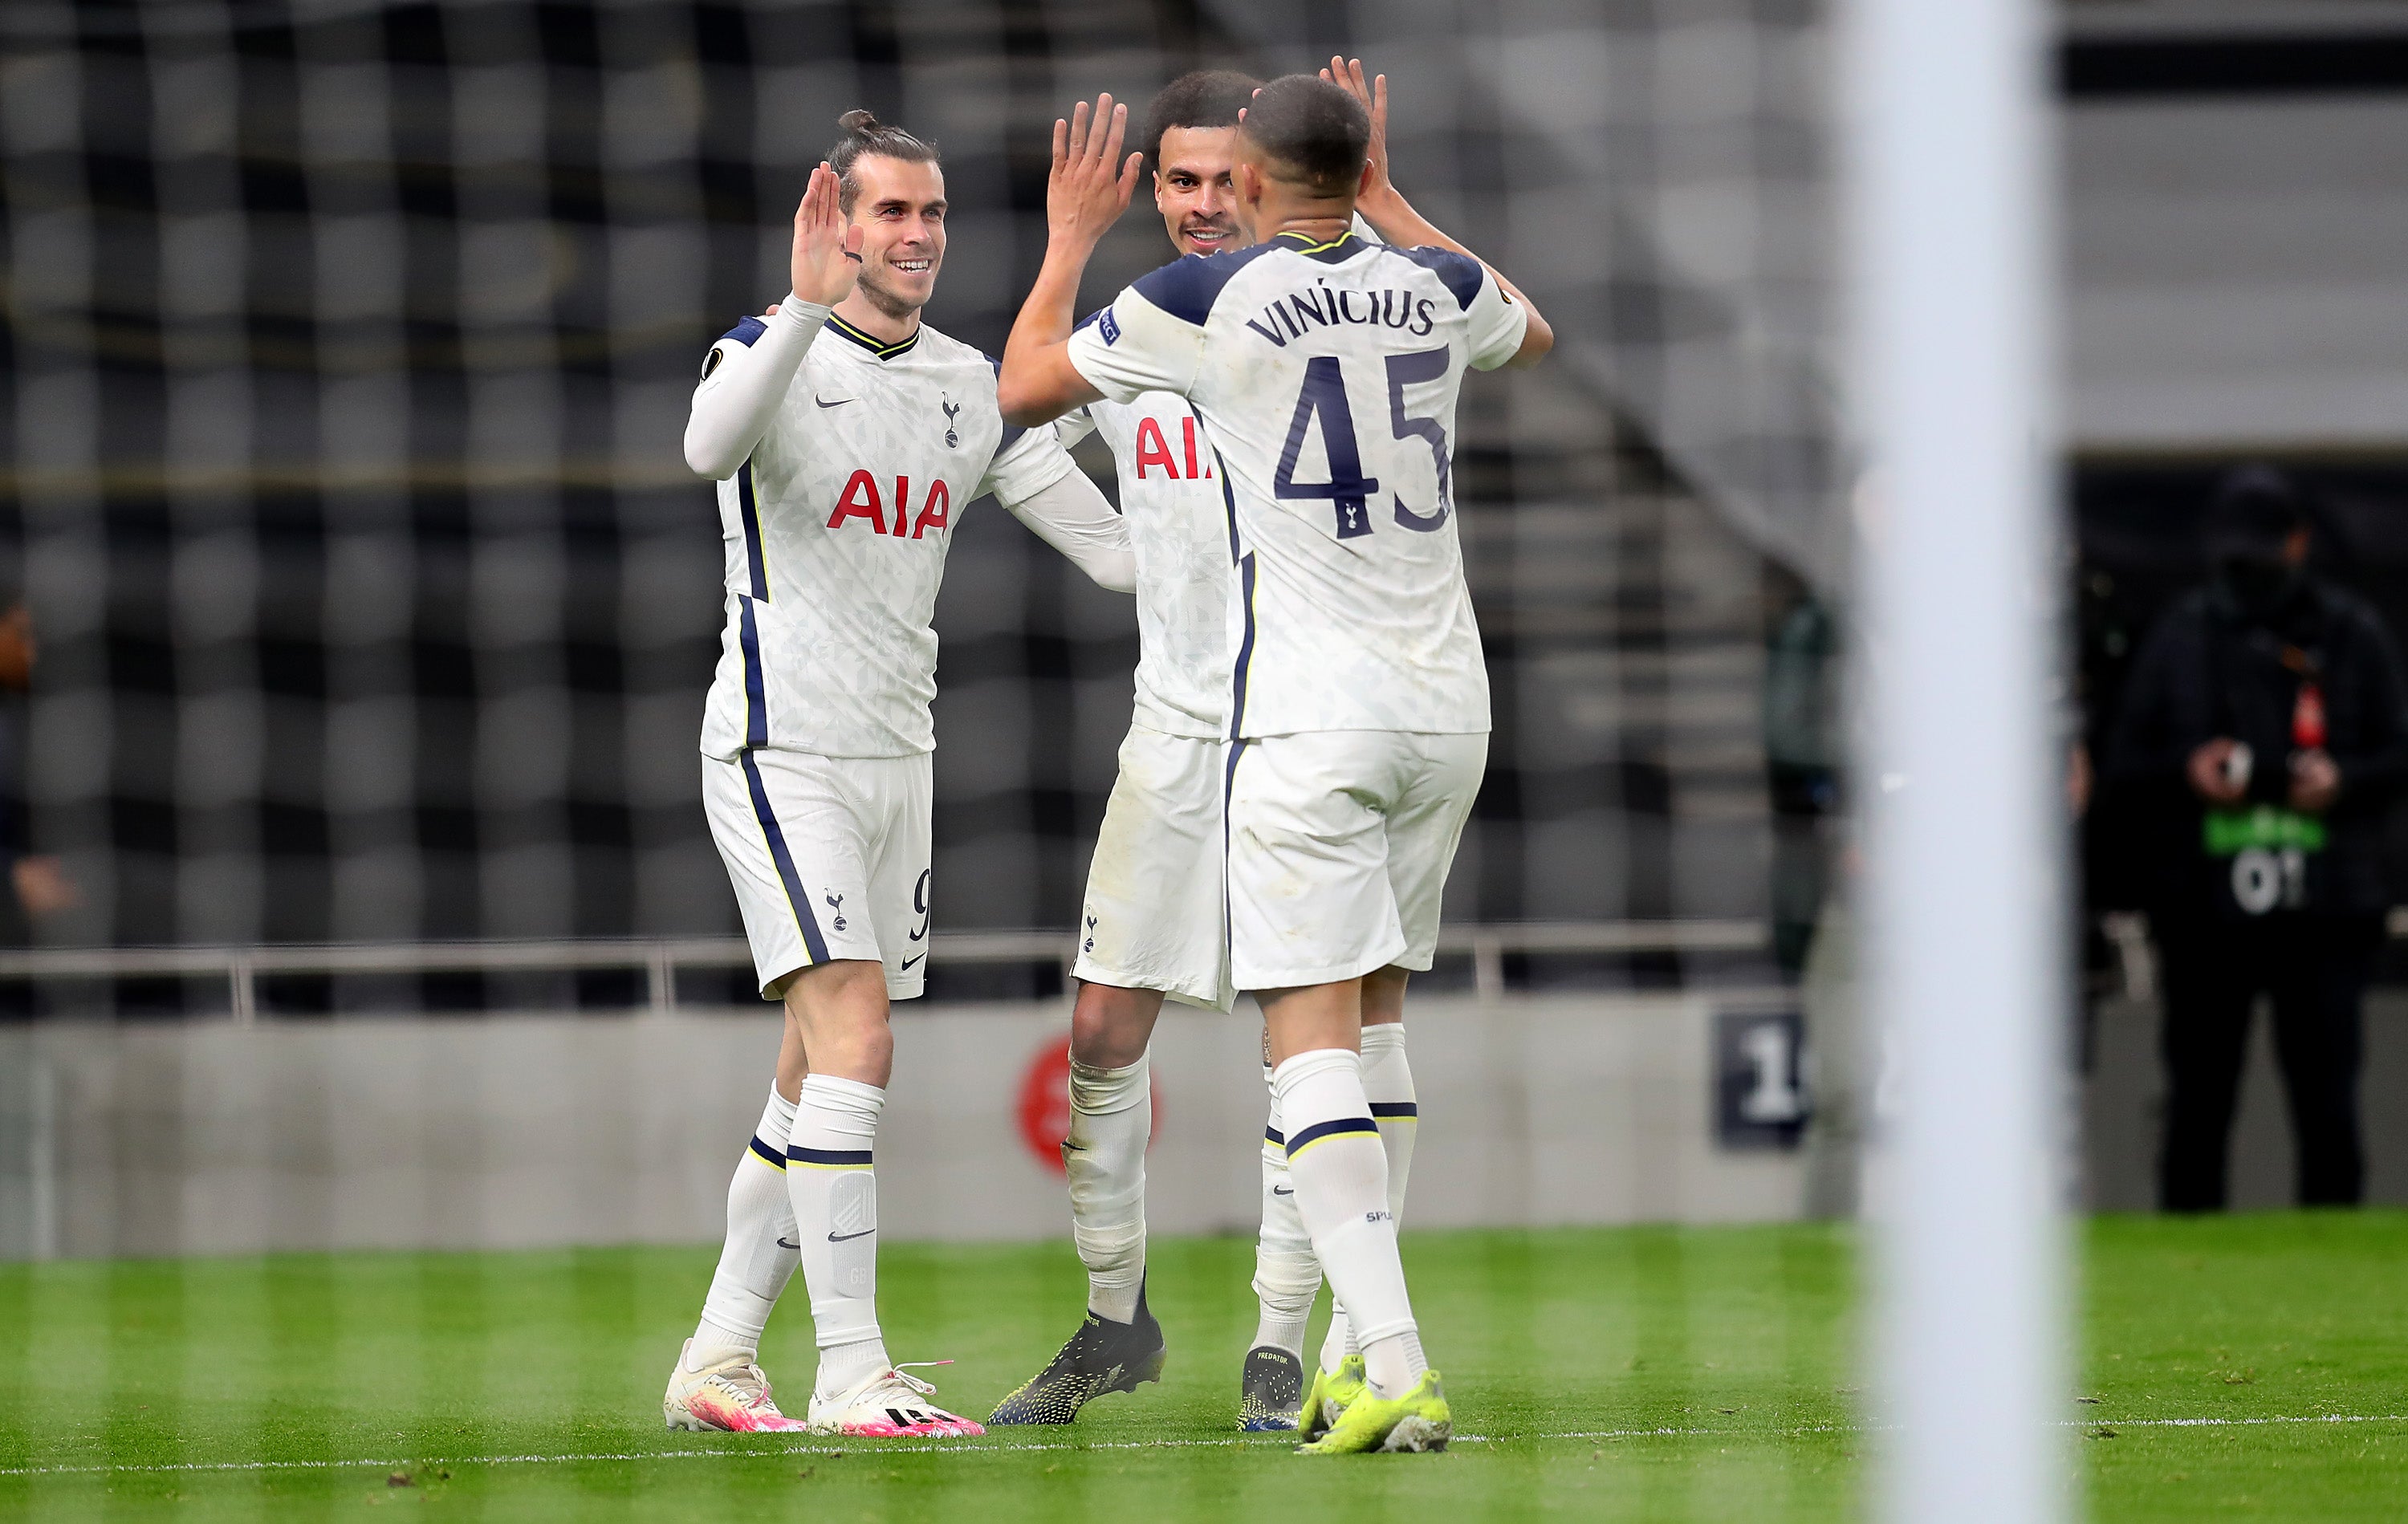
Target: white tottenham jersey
x: 1326, y: 374
x: 1171, y: 494
x: 835, y: 532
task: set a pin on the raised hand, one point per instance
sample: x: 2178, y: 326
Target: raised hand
x: 1091, y: 184
x: 1347, y: 75
x: 828, y: 248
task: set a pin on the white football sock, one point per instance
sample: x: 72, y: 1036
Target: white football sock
x: 761, y: 1252
x: 1388, y: 1083
x: 1339, y: 1341
x: 1341, y: 1175
x: 1286, y: 1275
x: 1111, y: 1116
x: 835, y: 1194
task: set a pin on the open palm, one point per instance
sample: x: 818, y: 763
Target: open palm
x: 1090, y: 185
x: 828, y: 248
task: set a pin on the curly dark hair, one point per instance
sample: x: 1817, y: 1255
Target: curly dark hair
x: 1204, y: 98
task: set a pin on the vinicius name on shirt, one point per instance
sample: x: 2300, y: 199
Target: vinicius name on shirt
x: 1293, y: 315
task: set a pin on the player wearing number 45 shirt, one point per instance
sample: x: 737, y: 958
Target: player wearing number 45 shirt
x: 1153, y: 924
x: 1325, y: 369
x: 847, y: 437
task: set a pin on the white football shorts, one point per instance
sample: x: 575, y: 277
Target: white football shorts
x: 1338, y: 846
x: 1155, y: 899
x: 829, y: 857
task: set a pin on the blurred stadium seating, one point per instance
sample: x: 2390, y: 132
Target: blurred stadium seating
x: 349, y: 347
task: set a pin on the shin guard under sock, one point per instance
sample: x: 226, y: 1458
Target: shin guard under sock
x: 761, y: 1251
x: 1111, y: 1118
x: 835, y: 1195
x: 1341, y: 1175
x: 1286, y: 1275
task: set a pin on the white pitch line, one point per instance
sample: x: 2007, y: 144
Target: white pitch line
x: 2236, y: 1423
x: 1266, y: 1442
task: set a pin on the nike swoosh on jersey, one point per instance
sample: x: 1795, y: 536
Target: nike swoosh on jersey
x: 909, y: 962
x: 840, y: 1238
x: 784, y: 1243
x: 1283, y: 1190
x: 839, y: 403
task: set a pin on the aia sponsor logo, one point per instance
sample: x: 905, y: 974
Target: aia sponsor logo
x: 862, y: 499
x: 1154, y: 451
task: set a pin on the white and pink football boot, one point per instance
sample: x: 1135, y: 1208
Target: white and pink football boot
x: 732, y: 1396
x: 887, y: 1404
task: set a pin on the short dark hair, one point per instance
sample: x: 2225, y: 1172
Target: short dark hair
x: 1203, y: 98
x: 865, y: 134
x: 1313, y: 128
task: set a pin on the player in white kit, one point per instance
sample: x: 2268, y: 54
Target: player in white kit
x: 1325, y: 368
x: 847, y: 436
x: 1153, y: 923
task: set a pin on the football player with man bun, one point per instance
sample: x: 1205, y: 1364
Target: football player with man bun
x: 847, y: 437
x: 1154, y: 923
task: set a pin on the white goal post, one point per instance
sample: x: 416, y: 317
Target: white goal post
x: 1959, y: 780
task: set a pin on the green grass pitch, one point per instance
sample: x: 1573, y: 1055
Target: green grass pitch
x: 1632, y: 1374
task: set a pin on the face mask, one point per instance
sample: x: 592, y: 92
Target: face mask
x: 2257, y: 586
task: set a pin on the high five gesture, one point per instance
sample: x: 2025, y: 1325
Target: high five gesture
x: 827, y: 249
x: 1347, y: 74
x: 1090, y: 185
x: 1394, y: 218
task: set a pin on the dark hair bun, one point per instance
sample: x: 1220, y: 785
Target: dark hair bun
x: 865, y: 134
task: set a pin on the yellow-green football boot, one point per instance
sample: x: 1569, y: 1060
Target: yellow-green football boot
x: 1330, y: 1394
x: 1418, y: 1421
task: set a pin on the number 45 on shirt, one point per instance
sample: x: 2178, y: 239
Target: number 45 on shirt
x: 1348, y: 490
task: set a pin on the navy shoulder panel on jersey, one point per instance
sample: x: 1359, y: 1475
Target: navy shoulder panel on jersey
x: 1011, y: 431
x: 1461, y: 273
x: 1187, y: 287
x: 746, y: 330
x: 1089, y: 321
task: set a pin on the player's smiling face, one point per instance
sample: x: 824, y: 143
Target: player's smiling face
x: 1191, y: 186
x: 901, y: 211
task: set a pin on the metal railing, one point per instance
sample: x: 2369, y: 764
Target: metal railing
x: 659, y: 959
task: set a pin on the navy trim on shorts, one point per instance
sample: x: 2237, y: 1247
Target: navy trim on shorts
x: 1271, y: 1135
x: 1392, y: 1109
x: 813, y: 944
x: 1228, y: 918
x: 770, y: 1156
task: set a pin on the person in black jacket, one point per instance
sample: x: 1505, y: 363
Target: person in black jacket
x: 2265, y: 729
